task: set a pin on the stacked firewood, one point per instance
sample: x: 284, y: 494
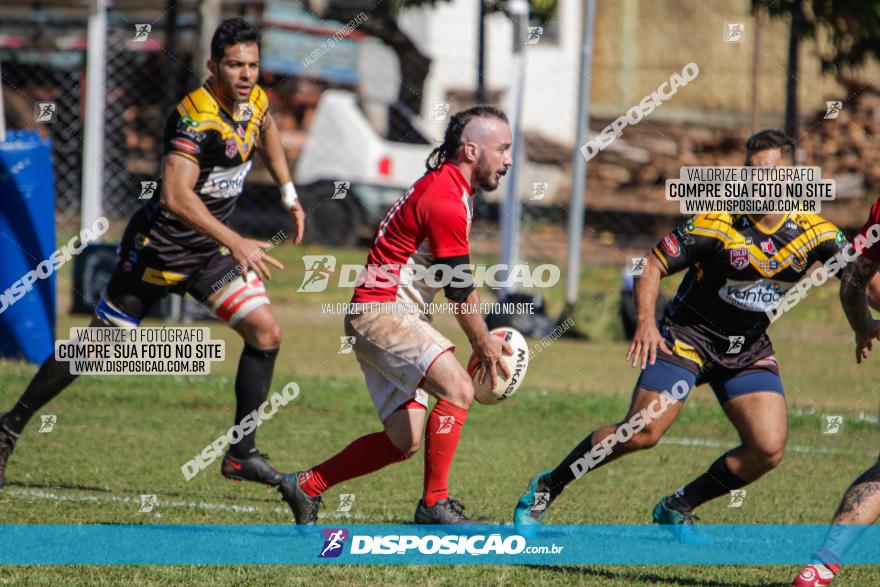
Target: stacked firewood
x: 632, y: 170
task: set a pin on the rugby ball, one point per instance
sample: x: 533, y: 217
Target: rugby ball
x: 517, y: 363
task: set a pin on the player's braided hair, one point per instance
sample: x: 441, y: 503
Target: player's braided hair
x: 452, y: 138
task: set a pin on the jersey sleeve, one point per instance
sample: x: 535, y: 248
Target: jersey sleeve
x: 183, y: 137
x: 867, y: 245
x: 445, y: 220
x: 831, y: 241
x: 688, y: 243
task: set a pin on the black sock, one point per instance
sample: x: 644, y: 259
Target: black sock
x: 49, y: 381
x: 563, y: 474
x: 251, y: 386
x: 717, y: 481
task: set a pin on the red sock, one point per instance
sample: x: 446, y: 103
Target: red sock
x: 441, y: 439
x: 365, y: 455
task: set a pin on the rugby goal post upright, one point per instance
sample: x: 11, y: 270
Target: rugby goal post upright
x: 91, y: 202
x: 579, y: 162
x: 511, y: 211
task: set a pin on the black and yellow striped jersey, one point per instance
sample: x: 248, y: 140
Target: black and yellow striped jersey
x: 222, y: 143
x: 736, y: 271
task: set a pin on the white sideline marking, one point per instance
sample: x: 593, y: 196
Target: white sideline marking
x: 202, y: 505
x: 705, y: 443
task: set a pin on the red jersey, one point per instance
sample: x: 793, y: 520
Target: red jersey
x: 431, y: 220
x: 872, y: 252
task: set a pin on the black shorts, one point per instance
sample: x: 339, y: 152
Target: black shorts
x: 150, y: 266
x: 686, y: 364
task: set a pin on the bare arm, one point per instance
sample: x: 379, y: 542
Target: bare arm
x: 272, y: 154
x: 854, y: 281
x: 647, y: 337
x: 179, y: 176
x: 488, y: 348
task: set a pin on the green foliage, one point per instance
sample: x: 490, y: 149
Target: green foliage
x: 850, y: 27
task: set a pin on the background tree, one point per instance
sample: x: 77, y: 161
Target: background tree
x: 414, y: 65
x: 846, y: 32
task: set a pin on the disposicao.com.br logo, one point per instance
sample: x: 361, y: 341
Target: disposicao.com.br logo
x: 319, y: 269
x: 429, y: 544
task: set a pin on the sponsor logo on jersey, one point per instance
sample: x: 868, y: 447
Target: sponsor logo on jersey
x: 768, y: 247
x: 739, y: 258
x: 187, y: 123
x: 185, y: 146
x: 226, y: 182
x: 670, y: 245
x: 685, y: 237
x: 754, y: 296
x: 231, y: 148
x: 245, y: 111
x: 771, y: 265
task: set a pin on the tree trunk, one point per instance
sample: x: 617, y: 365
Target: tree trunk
x: 791, y: 88
x: 414, y: 67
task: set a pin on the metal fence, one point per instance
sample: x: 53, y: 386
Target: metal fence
x: 44, y: 68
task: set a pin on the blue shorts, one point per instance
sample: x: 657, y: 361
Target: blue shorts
x: 727, y: 384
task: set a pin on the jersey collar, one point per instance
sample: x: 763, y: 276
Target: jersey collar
x: 754, y: 221
x: 208, y: 88
x: 458, y: 178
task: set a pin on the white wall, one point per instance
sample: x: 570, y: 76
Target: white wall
x: 448, y: 34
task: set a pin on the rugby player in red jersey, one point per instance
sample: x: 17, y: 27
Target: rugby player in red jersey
x: 860, y: 506
x: 403, y: 358
x: 180, y: 242
x: 738, y: 268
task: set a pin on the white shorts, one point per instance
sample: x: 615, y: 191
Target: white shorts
x: 395, y: 352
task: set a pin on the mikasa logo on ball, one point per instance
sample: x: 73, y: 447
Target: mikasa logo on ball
x: 518, y: 372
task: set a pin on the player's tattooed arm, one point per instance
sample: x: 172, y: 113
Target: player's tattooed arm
x: 647, y: 337
x: 854, y: 281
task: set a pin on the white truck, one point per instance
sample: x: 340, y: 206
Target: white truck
x: 348, y: 174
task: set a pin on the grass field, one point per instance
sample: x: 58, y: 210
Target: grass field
x: 120, y: 437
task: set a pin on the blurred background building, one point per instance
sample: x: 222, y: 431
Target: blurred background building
x: 395, y: 77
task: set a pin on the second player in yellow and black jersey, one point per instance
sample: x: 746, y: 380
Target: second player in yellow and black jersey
x: 222, y: 143
x: 736, y: 271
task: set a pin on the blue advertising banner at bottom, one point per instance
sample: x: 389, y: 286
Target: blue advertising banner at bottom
x: 410, y: 544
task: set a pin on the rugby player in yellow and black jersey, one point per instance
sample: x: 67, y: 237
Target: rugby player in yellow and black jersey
x: 713, y: 332
x: 180, y: 242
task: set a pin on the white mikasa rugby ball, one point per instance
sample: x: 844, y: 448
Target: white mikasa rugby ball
x: 517, y: 363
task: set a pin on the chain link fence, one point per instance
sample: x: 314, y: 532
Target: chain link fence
x: 43, y: 64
